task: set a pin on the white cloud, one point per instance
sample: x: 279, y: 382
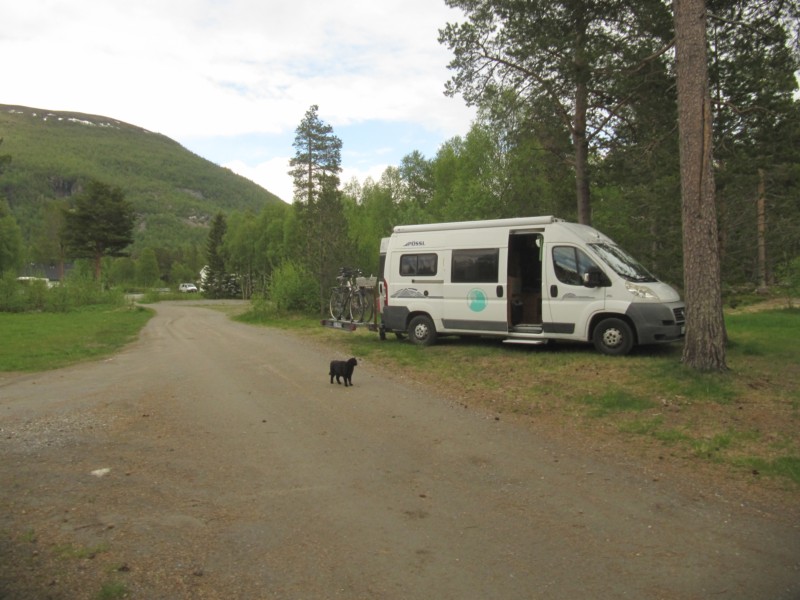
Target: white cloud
x: 373, y: 172
x: 271, y: 174
x: 193, y: 69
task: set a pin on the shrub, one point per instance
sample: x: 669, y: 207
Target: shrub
x: 12, y: 294
x: 77, y: 290
x: 790, y: 280
x: 262, y: 308
x: 292, y: 288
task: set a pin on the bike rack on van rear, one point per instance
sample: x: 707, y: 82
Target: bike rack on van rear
x: 368, y: 283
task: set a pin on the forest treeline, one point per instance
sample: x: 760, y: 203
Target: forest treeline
x: 577, y: 117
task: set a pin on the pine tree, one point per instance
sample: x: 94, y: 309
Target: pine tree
x: 704, y: 348
x: 215, y: 278
x: 10, y: 240
x: 317, y: 161
x: 571, y: 62
x: 318, y: 204
x: 10, y: 234
x: 100, y: 224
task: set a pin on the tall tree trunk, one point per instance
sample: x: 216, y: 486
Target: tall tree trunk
x: 579, y: 142
x: 97, y: 262
x: 704, y: 347
x: 762, y: 232
x: 581, y: 146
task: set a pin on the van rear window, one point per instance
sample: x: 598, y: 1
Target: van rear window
x: 418, y: 264
x: 476, y: 266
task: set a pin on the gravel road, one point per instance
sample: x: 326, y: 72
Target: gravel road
x: 213, y: 459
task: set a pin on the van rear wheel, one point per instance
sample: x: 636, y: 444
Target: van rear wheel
x: 613, y: 336
x: 422, y: 331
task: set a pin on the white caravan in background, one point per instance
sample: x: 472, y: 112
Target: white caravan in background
x: 527, y: 280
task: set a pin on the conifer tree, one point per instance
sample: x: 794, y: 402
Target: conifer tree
x: 10, y: 240
x: 704, y: 348
x: 99, y: 224
x: 317, y: 162
x: 571, y: 62
x: 215, y: 277
x: 317, y: 199
x: 10, y: 234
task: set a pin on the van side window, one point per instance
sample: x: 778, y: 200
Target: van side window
x: 418, y: 264
x: 475, y: 266
x: 570, y: 264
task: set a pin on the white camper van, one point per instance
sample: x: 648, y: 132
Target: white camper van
x: 527, y: 280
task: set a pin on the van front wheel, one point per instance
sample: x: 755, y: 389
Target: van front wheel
x: 613, y: 336
x: 422, y: 331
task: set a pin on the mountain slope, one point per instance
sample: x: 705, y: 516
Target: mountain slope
x: 175, y: 193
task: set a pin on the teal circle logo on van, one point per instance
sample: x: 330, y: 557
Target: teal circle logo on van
x: 476, y: 300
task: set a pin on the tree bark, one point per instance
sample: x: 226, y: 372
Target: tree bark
x: 579, y: 141
x: 704, y: 347
x: 581, y: 146
x: 762, y: 233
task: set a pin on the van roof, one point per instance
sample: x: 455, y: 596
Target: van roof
x: 514, y: 222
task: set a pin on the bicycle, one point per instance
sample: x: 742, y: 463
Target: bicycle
x: 351, y: 299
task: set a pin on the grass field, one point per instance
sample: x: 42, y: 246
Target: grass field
x: 36, y: 341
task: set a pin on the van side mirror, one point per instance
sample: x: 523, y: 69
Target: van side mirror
x: 593, y: 277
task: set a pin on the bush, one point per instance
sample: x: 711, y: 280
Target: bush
x: 76, y: 291
x: 262, y: 308
x: 790, y: 280
x: 292, y: 288
x: 13, y: 295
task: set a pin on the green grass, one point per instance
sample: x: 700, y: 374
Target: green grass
x: 677, y: 380
x: 670, y: 435
x: 787, y: 467
x: 41, y: 341
x: 29, y: 536
x: 615, y: 401
x: 80, y: 552
x: 769, y: 335
x: 713, y: 446
x: 649, y: 426
x: 271, y: 318
x: 112, y: 590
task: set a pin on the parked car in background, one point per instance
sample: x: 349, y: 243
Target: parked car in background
x: 37, y: 280
x: 187, y: 288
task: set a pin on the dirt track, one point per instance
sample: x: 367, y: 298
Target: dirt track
x: 235, y: 470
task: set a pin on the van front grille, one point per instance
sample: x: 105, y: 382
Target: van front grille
x: 680, y: 314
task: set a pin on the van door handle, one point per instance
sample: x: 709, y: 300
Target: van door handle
x: 499, y: 291
x: 554, y: 291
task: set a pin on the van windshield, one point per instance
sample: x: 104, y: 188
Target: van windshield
x: 623, y: 263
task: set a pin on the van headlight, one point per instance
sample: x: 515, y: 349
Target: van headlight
x: 641, y: 291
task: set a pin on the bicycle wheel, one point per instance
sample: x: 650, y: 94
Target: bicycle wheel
x: 338, y: 303
x: 357, y: 306
x: 368, y: 303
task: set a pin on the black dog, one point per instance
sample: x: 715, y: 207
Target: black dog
x: 343, y: 368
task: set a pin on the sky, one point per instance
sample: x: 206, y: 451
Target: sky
x: 231, y: 80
